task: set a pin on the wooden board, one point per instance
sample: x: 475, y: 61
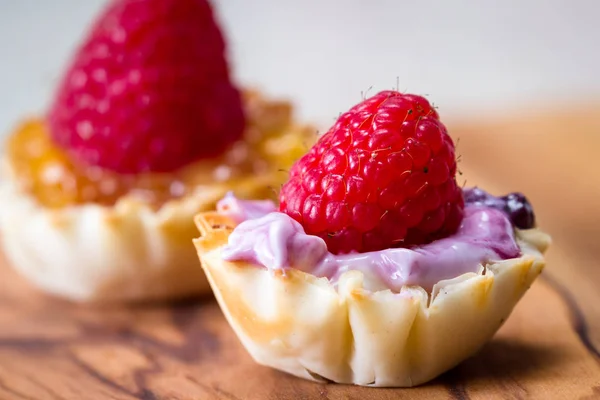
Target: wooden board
x: 50, y: 349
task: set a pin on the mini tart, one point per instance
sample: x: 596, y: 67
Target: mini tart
x: 132, y: 249
x: 303, y: 325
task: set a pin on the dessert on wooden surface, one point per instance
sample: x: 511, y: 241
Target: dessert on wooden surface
x: 146, y: 129
x: 376, y: 268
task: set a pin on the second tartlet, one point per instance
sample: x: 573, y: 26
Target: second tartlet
x: 98, y: 198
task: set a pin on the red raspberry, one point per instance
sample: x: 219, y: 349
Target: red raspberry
x: 383, y: 176
x: 149, y: 89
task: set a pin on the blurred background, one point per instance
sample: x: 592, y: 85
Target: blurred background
x: 470, y: 57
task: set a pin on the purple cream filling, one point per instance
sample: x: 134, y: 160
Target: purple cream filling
x: 275, y: 241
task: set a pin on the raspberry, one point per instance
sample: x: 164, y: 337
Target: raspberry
x: 148, y: 90
x: 383, y: 176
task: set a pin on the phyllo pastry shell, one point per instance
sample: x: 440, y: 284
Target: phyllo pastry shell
x: 295, y: 322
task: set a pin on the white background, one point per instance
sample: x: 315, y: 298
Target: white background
x: 469, y: 57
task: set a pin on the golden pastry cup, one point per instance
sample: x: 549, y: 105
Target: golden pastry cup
x: 303, y: 325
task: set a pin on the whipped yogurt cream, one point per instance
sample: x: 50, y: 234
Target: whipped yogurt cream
x: 275, y: 241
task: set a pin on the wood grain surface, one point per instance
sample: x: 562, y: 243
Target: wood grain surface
x: 548, y: 349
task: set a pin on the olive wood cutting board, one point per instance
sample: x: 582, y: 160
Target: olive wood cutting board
x: 548, y: 348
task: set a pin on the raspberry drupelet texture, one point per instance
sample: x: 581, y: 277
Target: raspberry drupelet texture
x: 148, y: 90
x: 383, y: 176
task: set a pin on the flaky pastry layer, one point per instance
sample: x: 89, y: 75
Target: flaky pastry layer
x: 125, y: 252
x: 303, y: 325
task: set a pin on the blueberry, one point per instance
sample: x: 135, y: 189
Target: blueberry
x: 514, y: 205
x: 478, y: 197
x: 474, y: 195
x: 519, y: 210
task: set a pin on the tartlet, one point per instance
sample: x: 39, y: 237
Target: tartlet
x: 396, y: 311
x: 304, y: 325
x: 115, y: 222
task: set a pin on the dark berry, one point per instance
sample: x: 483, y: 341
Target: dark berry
x: 514, y: 205
x: 519, y: 210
